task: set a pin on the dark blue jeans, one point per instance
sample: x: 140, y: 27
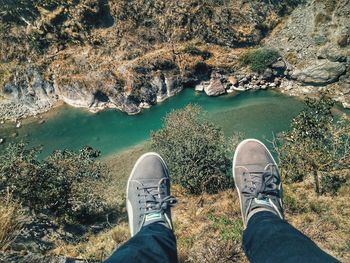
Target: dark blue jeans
x: 154, y: 243
x: 270, y: 239
x: 266, y: 239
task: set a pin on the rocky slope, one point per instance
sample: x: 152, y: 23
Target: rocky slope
x: 120, y: 54
x: 315, y: 41
x: 129, y: 55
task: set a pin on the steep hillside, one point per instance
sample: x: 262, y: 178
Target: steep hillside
x: 99, y: 53
x: 315, y: 41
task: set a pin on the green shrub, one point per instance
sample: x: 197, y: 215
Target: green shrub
x: 320, y: 40
x: 196, y: 151
x: 259, y: 59
x: 291, y: 204
x: 316, y: 144
x: 63, y: 185
x: 331, y: 183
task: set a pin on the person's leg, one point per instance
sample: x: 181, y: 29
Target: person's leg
x: 153, y: 243
x: 267, y: 237
x: 270, y: 239
x: 148, y: 204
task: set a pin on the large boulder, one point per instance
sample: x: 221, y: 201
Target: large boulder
x: 75, y: 94
x: 325, y: 72
x: 215, y: 88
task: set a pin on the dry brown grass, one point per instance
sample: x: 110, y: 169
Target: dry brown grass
x: 205, y: 227
x: 97, y: 247
x: 11, y: 221
x: 324, y: 219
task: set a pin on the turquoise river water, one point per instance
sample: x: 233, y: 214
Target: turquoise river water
x: 257, y: 114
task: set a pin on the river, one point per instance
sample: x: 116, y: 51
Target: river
x: 257, y: 114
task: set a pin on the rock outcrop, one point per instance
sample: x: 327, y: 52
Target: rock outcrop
x: 315, y: 42
x: 326, y: 72
x: 28, y: 94
x: 215, y: 87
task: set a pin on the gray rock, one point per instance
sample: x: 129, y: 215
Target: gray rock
x: 131, y: 106
x: 239, y: 88
x: 333, y: 54
x: 76, y: 95
x: 148, y: 95
x: 279, y: 65
x: 173, y: 84
x: 267, y: 74
x: 243, y: 80
x: 199, y: 88
x: 158, y: 83
x: 215, y: 88
x: 321, y: 74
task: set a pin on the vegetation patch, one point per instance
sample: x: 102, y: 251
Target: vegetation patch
x: 321, y: 18
x: 195, y: 150
x: 317, y: 145
x: 229, y: 228
x: 64, y: 185
x: 194, y: 51
x: 5, y: 73
x: 11, y: 221
x: 259, y: 59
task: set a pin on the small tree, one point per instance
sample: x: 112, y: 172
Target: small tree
x: 63, y: 185
x: 195, y: 150
x: 316, y: 144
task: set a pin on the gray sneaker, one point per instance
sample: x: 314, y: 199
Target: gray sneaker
x: 257, y: 180
x: 148, y: 197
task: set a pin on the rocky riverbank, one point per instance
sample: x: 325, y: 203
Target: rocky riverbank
x: 43, y: 96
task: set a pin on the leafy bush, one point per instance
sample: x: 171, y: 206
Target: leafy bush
x: 316, y: 144
x: 259, y: 59
x: 331, y: 183
x: 63, y: 184
x: 195, y: 150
